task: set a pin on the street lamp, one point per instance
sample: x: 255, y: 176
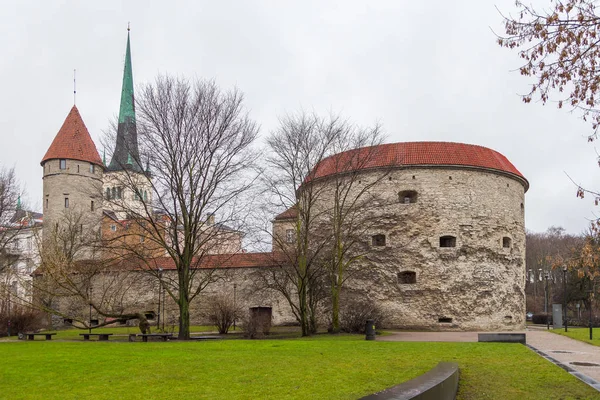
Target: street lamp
x: 545, y: 302
x: 234, y: 304
x: 159, y: 294
x: 546, y: 276
x: 90, y: 326
x: 565, y: 294
x: 591, y: 293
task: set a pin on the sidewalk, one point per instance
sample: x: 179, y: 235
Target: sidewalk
x: 561, y: 350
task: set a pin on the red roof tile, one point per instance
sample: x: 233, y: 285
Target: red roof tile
x: 234, y: 260
x: 416, y: 154
x: 290, y: 213
x: 73, y: 141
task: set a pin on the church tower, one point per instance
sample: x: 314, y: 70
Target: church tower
x: 73, y: 173
x: 126, y: 184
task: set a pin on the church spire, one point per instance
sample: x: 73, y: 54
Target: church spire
x: 126, y: 144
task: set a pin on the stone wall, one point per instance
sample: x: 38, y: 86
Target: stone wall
x: 477, y: 284
x: 81, y: 183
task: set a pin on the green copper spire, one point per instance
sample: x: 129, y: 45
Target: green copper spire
x: 19, y: 203
x: 104, y: 157
x: 126, y: 155
x: 127, y: 110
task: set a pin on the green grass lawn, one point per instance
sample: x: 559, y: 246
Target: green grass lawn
x: 582, y: 334
x: 325, y: 367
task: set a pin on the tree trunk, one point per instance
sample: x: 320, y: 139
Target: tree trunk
x: 184, y: 304
x: 184, y: 318
x: 335, y: 309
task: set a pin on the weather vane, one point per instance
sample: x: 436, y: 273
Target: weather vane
x: 74, y: 87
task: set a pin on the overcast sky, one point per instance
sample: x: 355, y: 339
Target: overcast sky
x: 427, y: 71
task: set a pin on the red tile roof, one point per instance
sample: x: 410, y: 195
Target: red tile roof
x: 73, y: 141
x: 291, y: 212
x: 416, y: 154
x: 220, y: 261
x: 233, y: 260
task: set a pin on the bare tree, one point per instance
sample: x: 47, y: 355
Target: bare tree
x: 348, y: 203
x: 196, y: 143
x: 311, y: 249
x: 10, y: 220
x: 77, y: 276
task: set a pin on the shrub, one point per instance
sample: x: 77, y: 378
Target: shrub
x: 355, y: 313
x: 221, y: 312
x: 22, y: 319
x: 542, y: 318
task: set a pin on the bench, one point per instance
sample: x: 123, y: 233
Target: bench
x: 31, y: 336
x: 502, y: 337
x: 204, y: 337
x: 162, y: 336
x: 101, y: 336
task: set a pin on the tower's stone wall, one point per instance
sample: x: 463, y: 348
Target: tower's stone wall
x: 81, y: 183
x: 477, y: 284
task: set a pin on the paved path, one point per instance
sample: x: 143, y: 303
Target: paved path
x: 559, y: 349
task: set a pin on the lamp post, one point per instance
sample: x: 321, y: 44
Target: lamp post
x: 591, y: 292
x: 546, y: 276
x: 159, y: 294
x: 540, y: 276
x: 565, y: 295
x: 234, y: 304
x: 90, y: 326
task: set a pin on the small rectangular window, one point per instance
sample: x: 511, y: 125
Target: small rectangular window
x: 92, y: 205
x: 66, y: 202
x: 46, y: 204
x: 63, y: 164
x: 142, y: 239
x: 77, y: 168
x: 113, y: 228
x: 378, y: 240
x: 92, y: 168
x: 447, y: 241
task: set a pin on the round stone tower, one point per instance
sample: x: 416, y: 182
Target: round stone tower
x: 442, y: 233
x: 73, y: 173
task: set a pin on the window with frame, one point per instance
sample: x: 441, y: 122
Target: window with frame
x: 66, y: 202
x: 62, y: 164
x: 506, y: 242
x: 448, y: 241
x: 378, y: 240
x: 92, y: 168
x: 113, y: 227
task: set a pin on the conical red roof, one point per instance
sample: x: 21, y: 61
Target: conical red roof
x: 73, y: 141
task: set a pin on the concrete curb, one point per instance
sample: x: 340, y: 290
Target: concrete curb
x: 584, y: 378
x: 439, y: 383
